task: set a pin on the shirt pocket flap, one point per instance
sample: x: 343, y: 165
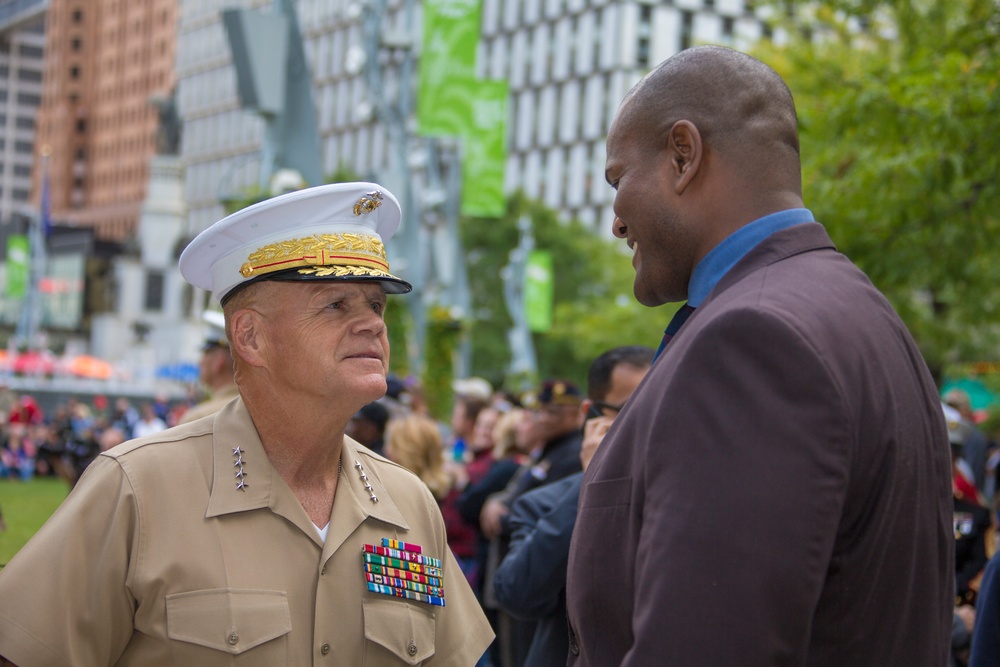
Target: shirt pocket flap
x: 228, y: 619
x: 402, y: 628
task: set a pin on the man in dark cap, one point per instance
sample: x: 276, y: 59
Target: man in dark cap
x: 215, y: 370
x: 777, y: 491
x: 367, y: 426
x: 264, y: 535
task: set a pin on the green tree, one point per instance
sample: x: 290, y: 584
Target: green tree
x: 594, y: 308
x: 899, y: 112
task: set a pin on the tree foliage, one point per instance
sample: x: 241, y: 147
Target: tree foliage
x: 899, y: 112
x: 594, y: 308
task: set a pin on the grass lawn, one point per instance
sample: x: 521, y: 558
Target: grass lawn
x: 26, y: 506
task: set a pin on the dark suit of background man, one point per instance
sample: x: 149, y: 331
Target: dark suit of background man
x: 777, y: 490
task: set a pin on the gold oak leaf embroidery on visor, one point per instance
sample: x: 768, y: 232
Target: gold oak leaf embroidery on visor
x: 360, y: 254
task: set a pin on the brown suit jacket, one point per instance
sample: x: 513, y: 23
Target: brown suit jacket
x: 777, y: 491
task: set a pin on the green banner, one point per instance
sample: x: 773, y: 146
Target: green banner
x: 447, y: 66
x: 18, y: 265
x: 538, y: 286
x: 485, y: 151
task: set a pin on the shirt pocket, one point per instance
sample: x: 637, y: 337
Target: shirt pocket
x: 398, y: 632
x: 229, y: 626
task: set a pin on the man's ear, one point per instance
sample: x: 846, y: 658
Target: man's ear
x: 249, y: 341
x: 685, y: 150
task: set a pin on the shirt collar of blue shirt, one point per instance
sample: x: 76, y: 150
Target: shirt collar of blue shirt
x: 724, y: 256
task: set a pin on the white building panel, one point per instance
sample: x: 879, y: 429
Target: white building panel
x: 498, y: 59
x: 532, y: 183
x: 532, y: 10
x: 540, y: 45
x: 341, y: 103
x: 593, y: 125
x: 490, y: 17
x: 628, y: 33
x: 519, y: 50
x: 569, y: 112
x: 599, y: 192
x: 730, y: 7
x: 511, y: 9
x: 615, y: 92
x: 708, y: 29
x: 512, y: 172
x: 554, y: 9
x: 576, y: 178
x: 525, y: 119
x: 608, y: 42
x: 584, y: 40
x: 562, y: 50
x: 747, y: 32
x: 330, y: 160
x: 666, y: 38
x: 546, y: 117
x: 554, y: 171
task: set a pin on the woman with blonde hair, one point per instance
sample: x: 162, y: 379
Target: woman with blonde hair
x: 414, y: 442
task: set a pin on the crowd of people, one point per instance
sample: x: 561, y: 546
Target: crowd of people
x: 65, y: 439
x: 975, y: 450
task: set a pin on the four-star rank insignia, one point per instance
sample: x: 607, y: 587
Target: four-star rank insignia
x: 401, y: 570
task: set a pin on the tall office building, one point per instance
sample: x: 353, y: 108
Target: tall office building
x: 104, y: 60
x: 568, y: 63
x: 21, y: 53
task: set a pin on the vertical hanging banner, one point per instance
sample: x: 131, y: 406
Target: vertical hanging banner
x: 447, y: 66
x: 485, y: 151
x: 18, y: 265
x: 538, y: 290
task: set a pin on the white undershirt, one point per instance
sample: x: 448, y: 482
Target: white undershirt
x: 322, y: 531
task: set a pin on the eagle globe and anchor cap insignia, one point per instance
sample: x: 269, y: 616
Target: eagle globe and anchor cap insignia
x: 368, y: 203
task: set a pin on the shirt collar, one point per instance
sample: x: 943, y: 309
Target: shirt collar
x: 724, y: 256
x: 264, y: 488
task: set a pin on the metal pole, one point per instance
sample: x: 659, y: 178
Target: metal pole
x: 523, y: 364
x: 396, y: 116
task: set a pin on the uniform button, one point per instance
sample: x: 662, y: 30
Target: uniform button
x: 324, y: 649
x: 412, y: 648
x: 234, y: 638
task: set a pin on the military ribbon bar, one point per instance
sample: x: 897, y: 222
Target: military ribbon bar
x: 401, y: 570
x: 374, y: 568
x: 404, y: 583
x: 403, y: 593
x: 400, y: 554
x: 403, y: 546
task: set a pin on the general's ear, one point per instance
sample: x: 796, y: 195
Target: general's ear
x: 248, y: 341
x: 685, y: 150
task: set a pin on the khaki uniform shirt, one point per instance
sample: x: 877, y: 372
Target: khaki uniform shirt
x: 156, y: 558
x: 211, y: 405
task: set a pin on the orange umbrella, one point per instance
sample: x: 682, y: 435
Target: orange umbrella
x: 90, y: 367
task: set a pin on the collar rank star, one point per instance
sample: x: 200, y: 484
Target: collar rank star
x: 241, y: 482
x: 364, y: 480
x: 401, y: 570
